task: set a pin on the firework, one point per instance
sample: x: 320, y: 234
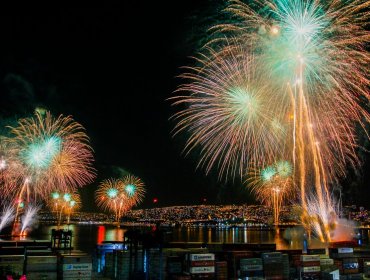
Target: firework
x: 49, y: 153
x: 273, y: 185
x: 72, y: 205
x: 11, y: 169
x: 302, y: 68
x: 112, y: 197
x: 29, y: 218
x: 120, y: 195
x: 7, y: 216
x: 64, y: 203
x: 310, y: 58
x: 315, y: 51
x: 230, y: 113
x: 134, y: 189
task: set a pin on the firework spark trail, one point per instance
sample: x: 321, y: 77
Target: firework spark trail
x: 29, y: 218
x: 317, y: 49
x: 321, y: 218
x: 72, y: 205
x: 64, y: 203
x: 273, y: 185
x: 7, y: 216
x: 11, y: 170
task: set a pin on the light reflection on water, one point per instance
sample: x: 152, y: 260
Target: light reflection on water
x: 293, y: 240
x: 223, y: 235
x: 85, y: 237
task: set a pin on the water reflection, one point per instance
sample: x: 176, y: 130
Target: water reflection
x: 85, y: 237
x: 101, y: 234
x: 222, y: 235
x: 114, y: 234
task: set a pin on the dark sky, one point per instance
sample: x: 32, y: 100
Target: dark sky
x: 112, y: 68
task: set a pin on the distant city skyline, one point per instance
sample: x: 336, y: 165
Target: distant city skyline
x: 171, y: 215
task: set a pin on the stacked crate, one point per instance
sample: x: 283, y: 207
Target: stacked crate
x: 296, y: 260
x: 286, y: 266
x: 317, y: 251
x: 346, y: 262
x: 101, y: 251
x: 251, y: 267
x: 366, y: 268
x: 339, y: 265
x: 158, y: 263
x: 110, y: 267
x: 41, y: 267
x: 291, y: 262
x: 310, y: 267
x: 233, y: 259
x: 350, y: 266
x: 273, y: 265
x: 174, y: 265
x: 221, y: 270
x: 340, y: 253
x: 330, y: 274
x: 181, y: 277
x: 127, y: 263
x: 357, y: 276
x: 295, y: 264
x: 11, y: 265
x: 201, y: 265
x: 364, y: 265
x: 328, y: 270
x: 326, y: 263
x: 75, y: 266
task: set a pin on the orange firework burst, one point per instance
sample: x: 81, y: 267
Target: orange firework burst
x: 120, y: 195
x: 305, y: 59
x: 64, y: 203
x: 11, y: 169
x: 50, y: 153
x: 231, y: 113
x: 134, y: 189
x: 273, y: 185
x: 317, y: 49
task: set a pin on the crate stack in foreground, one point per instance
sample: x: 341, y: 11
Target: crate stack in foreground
x: 201, y: 266
x: 76, y: 266
x: 11, y: 265
x: 41, y: 264
x: 273, y: 265
x: 310, y: 267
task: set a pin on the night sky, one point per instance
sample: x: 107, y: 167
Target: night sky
x: 112, y: 68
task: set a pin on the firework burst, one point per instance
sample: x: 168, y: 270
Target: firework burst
x: 7, y: 216
x: 11, y: 169
x: 134, y: 189
x: 111, y: 196
x: 64, y: 203
x: 281, y: 79
x: 314, y: 51
x: 273, y: 185
x: 29, y: 218
x: 120, y: 195
x: 228, y: 112
x: 49, y: 153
